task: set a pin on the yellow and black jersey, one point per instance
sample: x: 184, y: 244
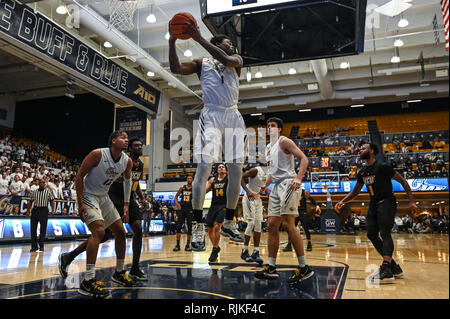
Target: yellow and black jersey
x: 378, y: 180
x: 136, y: 172
x: 186, y: 197
x: 219, y: 190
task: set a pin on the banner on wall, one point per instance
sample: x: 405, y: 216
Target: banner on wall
x: 37, y: 32
x: 133, y: 121
x: 17, y: 205
x: 18, y: 228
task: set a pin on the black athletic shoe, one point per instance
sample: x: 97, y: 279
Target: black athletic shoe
x: 187, y: 248
x: 232, y: 233
x: 177, y: 248
x: 309, y: 247
x: 194, y: 246
x: 122, y: 279
x: 300, y: 275
x: 384, y: 274
x: 214, y: 255
x: 63, y: 264
x: 256, y: 258
x: 288, y: 247
x: 397, y: 270
x: 137, y: 274
x: 268, y: 272
x: 93, y: 289
x: 246, y: 256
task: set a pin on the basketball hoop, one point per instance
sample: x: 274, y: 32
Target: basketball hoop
x: 121, y: 13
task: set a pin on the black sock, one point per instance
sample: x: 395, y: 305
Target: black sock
x: 229, y: 215
x: 188, y: 242
x: 393, y: 263
x: 178, y: 243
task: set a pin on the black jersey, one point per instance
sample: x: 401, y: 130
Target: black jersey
x: 378, y: 180
x: 219, y: 190
x: 136, y: 171
x: 186, y: 197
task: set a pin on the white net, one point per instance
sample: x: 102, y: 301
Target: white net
x: 121, y: 14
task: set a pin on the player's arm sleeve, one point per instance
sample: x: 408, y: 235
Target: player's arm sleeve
x: 127, y: 183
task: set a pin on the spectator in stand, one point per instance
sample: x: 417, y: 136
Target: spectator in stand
x: 341, y: 151
x: 34, y: 185
x: 409, y: 174
x: 17, y: 189
x: 166, y: 221
x: 443, y: 172
x: 426, y: 145
x: 4, y: 185
x: 66, y: 191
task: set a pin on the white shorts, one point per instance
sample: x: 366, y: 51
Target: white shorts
x: 100, y: 208
x: 252, y: 209
x: 284, y: 201
x: 217, y: 128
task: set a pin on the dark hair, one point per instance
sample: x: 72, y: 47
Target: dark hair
x: 374, y: 147
x: 115, y: 135
x: 218, y: 39
x: 132, y: 140
x: 276, y: 120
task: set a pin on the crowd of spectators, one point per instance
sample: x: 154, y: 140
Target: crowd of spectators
x: 22, y: 165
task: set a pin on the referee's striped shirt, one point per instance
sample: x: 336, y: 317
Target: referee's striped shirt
x: 42, y: 197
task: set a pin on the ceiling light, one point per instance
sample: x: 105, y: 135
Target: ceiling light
x: 107, y: 44
x: 403, y: 23
x: 188, y: 53
x: 357, y: 105
x: 414, y: 101
x: 167, y: 36
x: 61, y: 9
x: 258, y: 75
x: 398, y: 43
x: 345, y: 65
x: 395, y: 59
x: 292, y: 71
x: 256, y: 114
x: 249, y: 75
x: 151, y: 18
x: 305, y: 110
x: 150, y: 73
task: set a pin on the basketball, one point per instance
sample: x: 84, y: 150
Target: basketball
x: 178, y: 27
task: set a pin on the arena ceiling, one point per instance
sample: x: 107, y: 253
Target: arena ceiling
x: 370, y: 78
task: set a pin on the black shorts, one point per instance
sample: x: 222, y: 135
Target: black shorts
x: 216, y: 214
x: 381, y: 215
x: 134, y: 212
x: 185, y: 217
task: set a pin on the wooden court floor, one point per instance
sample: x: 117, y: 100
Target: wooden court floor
x: 342, y: 264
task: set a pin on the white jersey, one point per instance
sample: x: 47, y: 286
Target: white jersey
x: 255, y: 183
x: 100, y: 178
x: 220, y: 85
x: 281, y: 165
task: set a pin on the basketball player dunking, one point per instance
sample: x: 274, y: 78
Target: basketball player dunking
x: 304, y: 219
x: 216, y: 213
x: 252, y: 207
x: 98, y: 171
x: 185, y: 209
x: 377, y: 177
x: 116, y: 194
x: 219, y: 79
x: 283, y: 200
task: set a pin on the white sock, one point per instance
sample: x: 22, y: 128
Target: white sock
x: 226, y: 223
x: 272, y: 261
x: 120, y: 265
x: 255, y: 249
x: 245, y: 248
x: 90, y: 272
x: 302, y: 261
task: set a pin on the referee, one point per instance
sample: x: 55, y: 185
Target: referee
x: 39, y: 214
